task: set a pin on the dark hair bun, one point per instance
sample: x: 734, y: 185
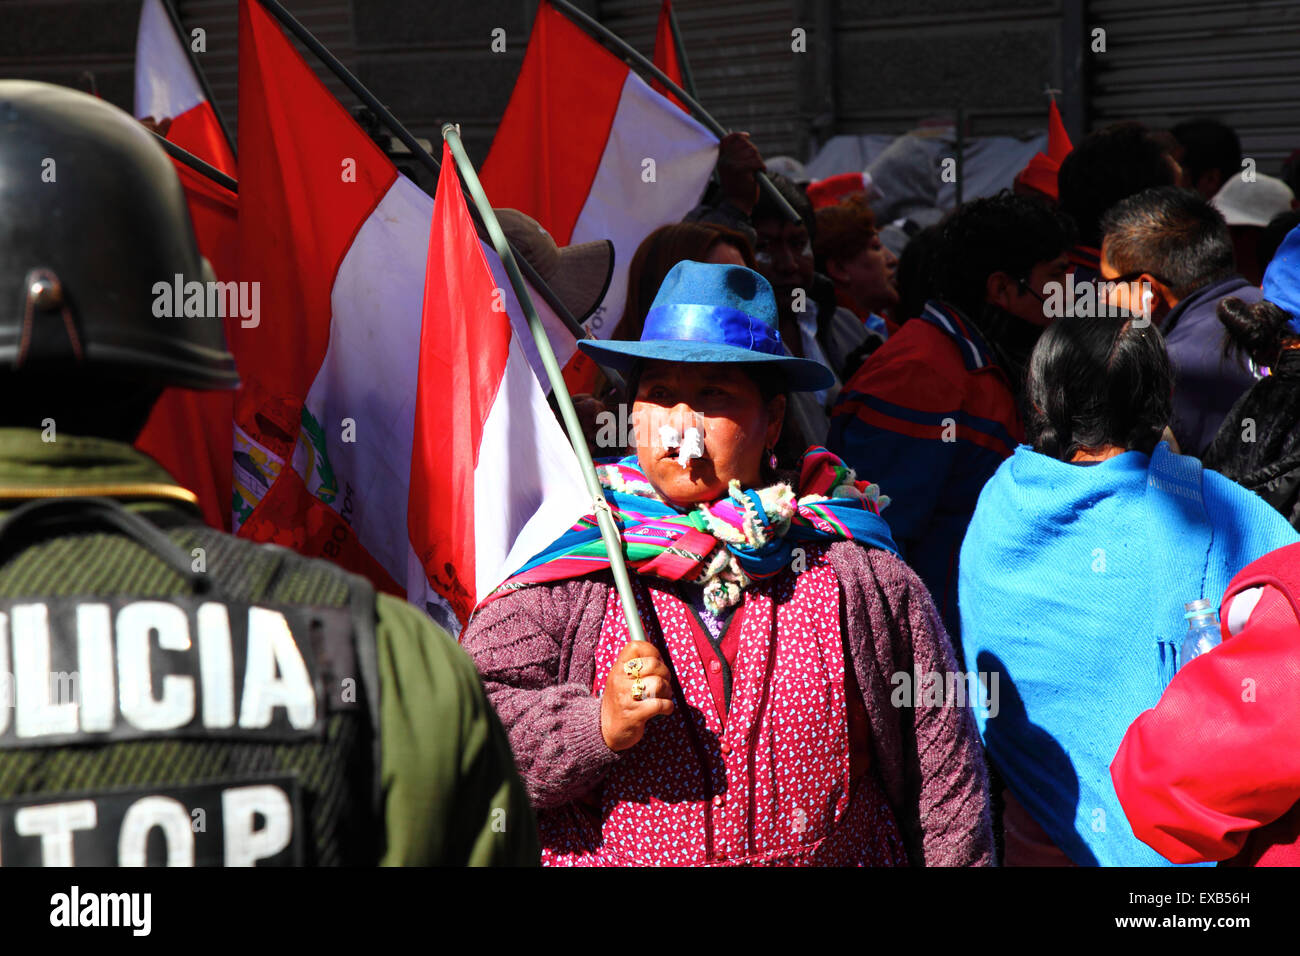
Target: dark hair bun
x: 1255, y: 328
x: 1097, y: 382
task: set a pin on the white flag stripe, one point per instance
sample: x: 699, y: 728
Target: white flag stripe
x: 621, y: 205
x: 165, y: 84
x: 370, y: 371
x: 528, y: 488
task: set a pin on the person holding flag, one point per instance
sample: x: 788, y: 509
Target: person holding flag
x: 775, y: 740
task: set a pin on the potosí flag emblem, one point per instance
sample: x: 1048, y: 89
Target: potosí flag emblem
x: 590, y: 151
x: 351, y: 407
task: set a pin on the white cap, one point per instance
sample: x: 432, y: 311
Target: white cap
x: 1252, y: 203
x: 790, y: 168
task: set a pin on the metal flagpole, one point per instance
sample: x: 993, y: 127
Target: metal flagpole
x: 198, y: 72
x: 381, y: 112
x: 608, y: 529
x: 196, y: 164
x: 687, y: 78
x: 637, y: 60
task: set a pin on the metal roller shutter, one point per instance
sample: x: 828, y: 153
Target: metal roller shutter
x: 72, y: 43
x: 1169, y: 60
x: 897, y: 64
x: 739, y: 52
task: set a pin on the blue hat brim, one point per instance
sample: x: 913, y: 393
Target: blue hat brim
x: 801, y: 375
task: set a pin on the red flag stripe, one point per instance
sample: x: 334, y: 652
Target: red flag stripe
x: 454, y: 396
x: 190, y: 433
x: 290, y: 516
x: 198, y: 131
x: 294, y: 237
x: 562, y: 64
x: 665, y: 56
x: 1058, y: 140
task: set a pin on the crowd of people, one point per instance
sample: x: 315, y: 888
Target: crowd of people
x: 916, y: 529
x: 1008, y: 457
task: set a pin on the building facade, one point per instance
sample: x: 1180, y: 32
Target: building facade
x: 791, y: 72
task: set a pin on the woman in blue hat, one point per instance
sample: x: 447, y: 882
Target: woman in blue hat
x: 770, y: 717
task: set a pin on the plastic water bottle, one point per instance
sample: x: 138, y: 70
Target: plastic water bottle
x: 1202, y: 630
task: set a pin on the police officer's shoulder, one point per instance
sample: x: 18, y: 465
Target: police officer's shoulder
x: 270, y: 572
x: 420, y: 649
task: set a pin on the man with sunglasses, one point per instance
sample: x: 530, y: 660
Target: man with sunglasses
x: 1166, y: 256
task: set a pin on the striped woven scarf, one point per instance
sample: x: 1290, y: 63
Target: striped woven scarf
x: 745, y: 537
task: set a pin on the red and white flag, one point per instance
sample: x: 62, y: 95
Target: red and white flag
x: 189, y: 432
x: 590, y: 151
x: 168, y: 90
x: 493, y: 479
x: 388, y: 424
x: 665, y: 55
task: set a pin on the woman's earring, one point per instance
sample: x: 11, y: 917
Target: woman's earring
x: 771, y: 459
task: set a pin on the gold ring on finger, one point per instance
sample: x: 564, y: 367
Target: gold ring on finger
x: 638, y: 689
x: 633, y: 667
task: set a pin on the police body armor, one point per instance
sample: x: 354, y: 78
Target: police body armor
x: 174, y: 695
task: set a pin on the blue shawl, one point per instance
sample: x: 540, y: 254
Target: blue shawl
x: 1072, y: 582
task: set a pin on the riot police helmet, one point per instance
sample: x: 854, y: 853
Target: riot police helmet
x: 93, y: 226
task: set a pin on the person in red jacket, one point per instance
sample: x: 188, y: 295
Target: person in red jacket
x: 1212, y: 772
x: 932, y: 413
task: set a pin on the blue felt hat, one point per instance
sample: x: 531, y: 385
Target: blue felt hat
x: 713, y: 313
x: 1282, y: 278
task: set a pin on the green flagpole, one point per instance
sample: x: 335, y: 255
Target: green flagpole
x: 604, y: 517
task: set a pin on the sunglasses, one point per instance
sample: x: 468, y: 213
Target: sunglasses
x: 1024, y: 286
x: 1137, y: 274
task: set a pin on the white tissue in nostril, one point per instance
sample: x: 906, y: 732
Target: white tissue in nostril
x: 668, y: 436
x: 692, y: 447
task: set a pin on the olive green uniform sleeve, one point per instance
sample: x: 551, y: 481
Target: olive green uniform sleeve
x: 451, y: 791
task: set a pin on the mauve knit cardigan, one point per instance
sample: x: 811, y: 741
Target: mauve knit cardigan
x: 535, y: 650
